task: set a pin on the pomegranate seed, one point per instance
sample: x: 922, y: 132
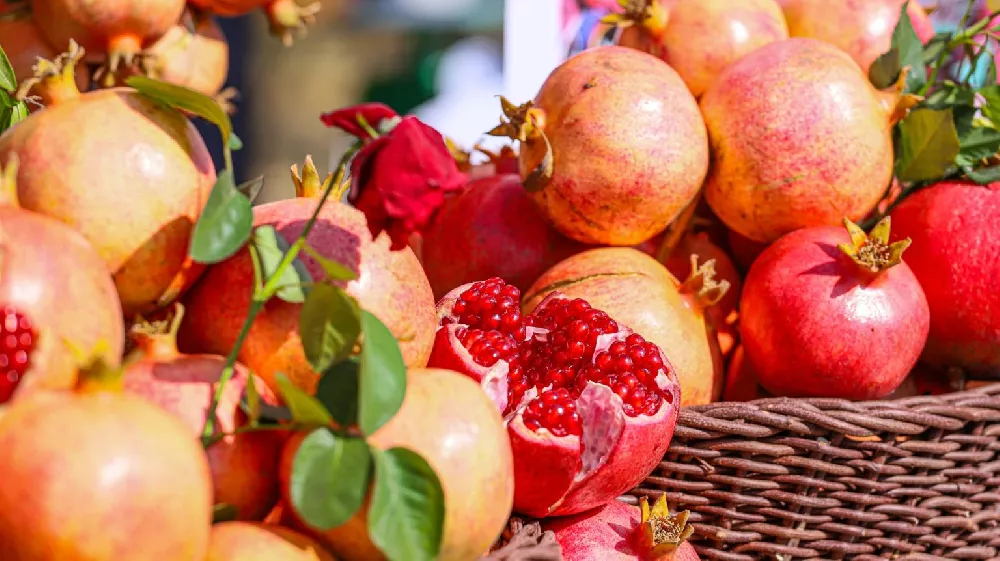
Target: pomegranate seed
x: 554, y: 410
x: 17, y: 341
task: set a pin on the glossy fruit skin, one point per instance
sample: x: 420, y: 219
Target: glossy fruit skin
x: 492, y: 229
x: 51, y: 274
x: 605, y: 534
x: 23, y: 44
x: 815, y: 324
x: 799, y: 138
x: 244, y: 466
x: 703, y: 37
x: 447, y: 419
x: 391, y: 285
x: 245, y: 541
x: 647, y: 148
x: 90, y: 461
x: 954, y: 256
x: 198, y: 60
x: 152, y: 161
x: 639, y: 292
x: 106, y: 26
x: 861, y: 28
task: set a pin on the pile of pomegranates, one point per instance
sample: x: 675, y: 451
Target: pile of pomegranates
x: 738, y: 200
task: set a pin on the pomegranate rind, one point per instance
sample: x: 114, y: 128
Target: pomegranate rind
x: 449, y: 353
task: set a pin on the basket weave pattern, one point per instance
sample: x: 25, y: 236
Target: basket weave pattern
x: 916, y: 479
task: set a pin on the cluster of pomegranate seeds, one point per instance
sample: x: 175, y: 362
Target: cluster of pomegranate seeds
x: 629, y: 368
x: 490, y: 305
x: 554, y: 410
x: 17, y: 340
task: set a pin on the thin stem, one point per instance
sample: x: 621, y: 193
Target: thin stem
x: 957, y: 39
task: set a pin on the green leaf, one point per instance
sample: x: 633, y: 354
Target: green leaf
x: 223, y: 512
x: 885, y: 70
x: 911, y: 50
x: 253, y: 400
x: 406, y: 516
x: 949, y: 94
x: 235, y: 143
x: 934, y: 47
x: 979, y: 143
x: 984, y: 175
x: 991, y: 109
x: 271, y: 248
x: 330, y: 478
x: 332, y: 269
x: 329, y: 324
x: 224, y: 224
x: 252, y: 187
x: 338, y: 392
x: 382, y: 377
x: 306, y: 409
x: 180, y: 97
x: 12, y: 115
x: 928, y: 145
x: 8, y: 81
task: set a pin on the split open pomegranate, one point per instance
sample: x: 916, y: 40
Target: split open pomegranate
x: 590, y: 406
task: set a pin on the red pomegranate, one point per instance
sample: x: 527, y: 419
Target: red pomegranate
x: 98, y: 475
x: 197, y: 59
x: 590, y: 405
x: 637, y: 291
x: 800, y: 138
x: 861, y: 28
x: 245, y: 541
x: 244, y: 466
x: 620, y: 532
x: 613, y: 146
x: 119, y: 28
x: 829, y: 313
x: 390, y: 284
x: 56, y: 298
x: 954, y: 256
x: 699, y: 248
x: 23, y: 44
x: 700, y: 38
x: 491, y: 229
x: 116, y: 149
x: 450, y: 422
x: 285, y: 16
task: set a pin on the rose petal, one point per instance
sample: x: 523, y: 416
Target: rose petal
x: 347, y: 119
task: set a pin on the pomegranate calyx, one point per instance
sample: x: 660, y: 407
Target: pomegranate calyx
x: 287, y: 17
x: 651, y: 15
x: 660, y: 533
x: 702, y: 285
x: 523, y: 122
x: 307, y: 183
x: 8, y: 182
x: 894, y: 102
x: 873, y: 252
x: 463, y: 158
x: 54, y: 80
x: 158, y: 339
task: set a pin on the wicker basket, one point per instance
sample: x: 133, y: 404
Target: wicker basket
x: 916, y: 479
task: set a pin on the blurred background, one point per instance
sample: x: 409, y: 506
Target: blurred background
x: 440, y: 59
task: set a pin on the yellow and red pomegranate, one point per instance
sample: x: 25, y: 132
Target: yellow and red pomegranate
x: 245, y: 541
x: 194, y: 54
x: 23, y: 44
x: 449, y: 421
x: 390, y: 284
x: 88, y: 157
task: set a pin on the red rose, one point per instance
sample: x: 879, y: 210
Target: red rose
x: 349, y: 119
x: 399, y: 180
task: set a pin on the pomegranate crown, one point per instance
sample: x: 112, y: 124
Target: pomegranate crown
x: 651, y: 15
x: 158, y: 337
x: 873, y: 252
x: 526, y: 123
x: 54, y: 79
x: 702, y: 284
x: 307, y: 182
x: 660, y: 533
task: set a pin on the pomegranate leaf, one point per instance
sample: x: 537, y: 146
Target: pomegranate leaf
x: 180, y: 97
x: 381, y: 375
x: 977, y: 144
x: 12, y: 112
x: 224, y: 225
x: 406, y: 516
x: 329, y: 324
x: 991, y: 109
x: 928, y: 145
x: 984, y: 176
x: 306, y: 409
x: 885, y: 70
x: 8, y: 81
x: 338, y: 391
x: 911, y: 50
x: 252, y: 399
x: 270, y: 247
x: 330, y: 478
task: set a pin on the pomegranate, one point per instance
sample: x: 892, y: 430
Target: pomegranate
x: 23, y: 44
x: 98, y: 475
x: 959, y: 272
x: 116, y: 149
x: 245, y: 541
x: 194, y: 54
x: 646, y: 147
x: 56, y: 297
x: 450, y: 422
x: 700, y: 38
x: 861, y: 28
x: 244, y: 466
x: 800, y: 138
x: 699, y: 248
x: 491, y: 229
x: 829, y: 313
x: 119, y: 28
x: 620, y: 532
x: 637, y: 291
x: 390, y: 284
x: 285, y: 16
x: 741, y: 381
x: 590, y: 405
x: 744, y: 250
